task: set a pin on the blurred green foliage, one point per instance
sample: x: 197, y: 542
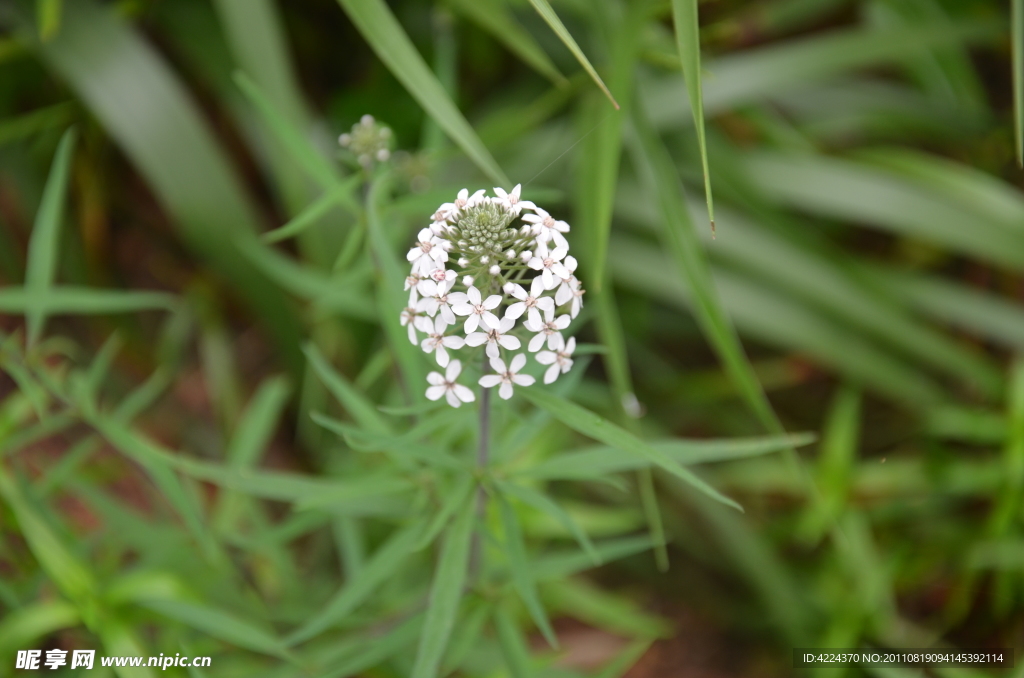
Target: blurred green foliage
x: 212, y: 433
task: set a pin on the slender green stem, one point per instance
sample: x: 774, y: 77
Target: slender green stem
x: 483, y: 454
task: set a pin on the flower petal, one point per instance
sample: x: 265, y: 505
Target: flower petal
x: 505, y: 391
x: 515, y: 310
x: 435, y: 378
x: 453, y: 399
x: 551, y: 374
x: 489, y: 380
x: 464, y: 393
x: 435, y: 392
x: 476, y: 339
x: 545, y: 357
x: 518, y: 363
x: 509, y: 342
x: 452, y: 373
x: 523, y: 379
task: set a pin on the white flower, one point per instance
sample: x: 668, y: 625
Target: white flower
x: 456, y: 394
x: 409, y: 315
x: 477, y: 310
x: 528, y: 303
x: 428, y: 254
x: 451, y: 210
x: 436, y: 340
x: 442, y: 300
x: 511, y: 200
x: 570, y: 290
x: 507, y: 377
x: 549, y: 263
x: 550, y: 329
x: 428, y: 286
x: 548, y: 228
x: 560, y: 361
x: 495, y: 337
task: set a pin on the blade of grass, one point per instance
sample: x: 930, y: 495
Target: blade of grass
x: 222, y: 625
x: 355, y: 403
x: 22, y: 626
x: 685, y: 18
x: 598, y: 462
x: 513, y: 645
x: 389, y: 41
x: 545, y: 504
x: 547, y: 13
x: 68, y: 300
x: 591, y: 425
x: 522, y: 572
x: 44, y: 245
x: 48, y: 14
x: 445, y: 594
x: 494, y: 17
x: 383, y: 565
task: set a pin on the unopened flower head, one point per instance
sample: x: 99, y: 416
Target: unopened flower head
x: 369, y: 141
x: 491, y: 279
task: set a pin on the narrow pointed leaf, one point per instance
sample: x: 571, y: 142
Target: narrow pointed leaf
x: 684, y: 13
x: 546, y: 12
x: 445, y: 595
x: 589, y: 424
x: 388, y: 39
x: 522, y: 571
x: 44, y: 246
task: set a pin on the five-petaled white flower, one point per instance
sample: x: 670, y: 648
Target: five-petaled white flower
x: 560, y: 361
x: 511, y: 200
x: 548, y: 228
x: 549, y: 263
x: 436, y: 340
x: 428, y: 254
x: 451, y: 210
x: 477, y: 309
x: 442, y: 300
x: 550, y: 329
x: 495, y: 337
x: 507, y: 377
x: 456, y: 394
x: 528, y: 303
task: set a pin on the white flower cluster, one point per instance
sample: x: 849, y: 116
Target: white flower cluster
x: 513, y: 261
x: 368, y: 141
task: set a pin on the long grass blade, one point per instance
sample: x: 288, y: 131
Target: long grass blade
x: 591, y: 425
x: 44, y: 246
x: 547, y: 12
x: 684, y: 14
x: 445, y: 595
x: 386, y: 37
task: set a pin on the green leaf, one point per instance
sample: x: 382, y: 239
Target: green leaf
x: 544, y: 8
x: 64, y: 568
x: 384, y: 564
x: 44, y: 245
x: 359, y: 407
x: 258, y: 422
x: 69, y: 300
x: 220, y: 624
x: 445, y: 595
x: 598, y: 462
x: 48, y: 13
x: 300, y: 149
x: 557, y: 566
x: 21, y: 627
x: 513, y: 645
x: 684, y: 14
x: 386, y: 37
x: 314, y: 211
x: 522, y: 570
x: 494, y: 17
x: 454, y: 501
x: 545, y: 504
x: 591, y: 425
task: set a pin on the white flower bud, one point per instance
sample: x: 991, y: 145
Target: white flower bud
x: 463, y: 262
x: 494, y: 270
x: 383, y: 154
x: 467, y: 280
x: 485, y: 259
x: 345, y: 139
x: 366, y: 119
x: 508, y: 287
x: 526, y: 255
x: 511, y: 254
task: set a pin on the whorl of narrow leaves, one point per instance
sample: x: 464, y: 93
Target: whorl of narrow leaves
x: 511, y: 261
